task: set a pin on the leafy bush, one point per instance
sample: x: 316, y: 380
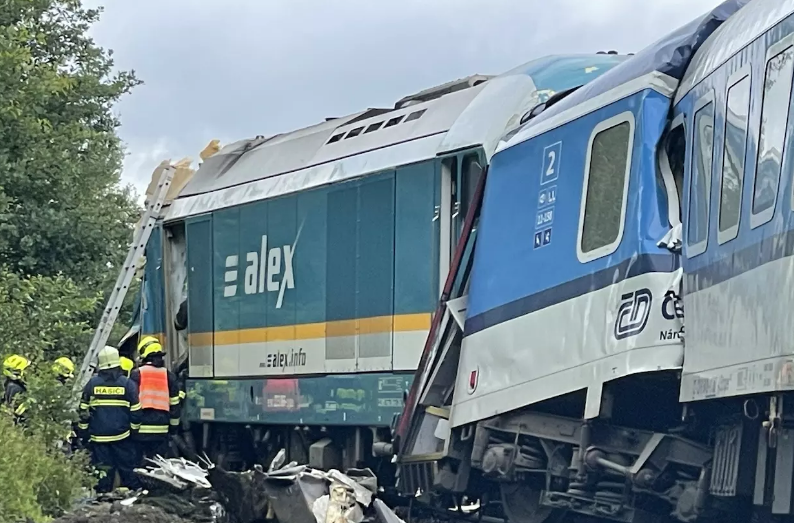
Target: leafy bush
x: 38, y: 480
x: 40, y: 317
x: 44, y: 317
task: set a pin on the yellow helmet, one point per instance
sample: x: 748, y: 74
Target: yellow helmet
x: 148, y: 346
x: 127, y: 365
x: 14, y: 366
x: 108, y: 358
x: 63, y: 367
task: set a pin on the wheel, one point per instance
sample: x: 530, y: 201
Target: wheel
x: 521, y: 504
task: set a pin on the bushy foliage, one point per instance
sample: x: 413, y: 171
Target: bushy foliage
x: 40, y: 318
x: 44, y: 317
x: 39, y: 481
x: 65, y: 223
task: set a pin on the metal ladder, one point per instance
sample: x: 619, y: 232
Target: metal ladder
x: 137, y: 249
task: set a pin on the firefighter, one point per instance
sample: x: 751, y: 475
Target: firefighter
x: 160, y: 399
x: 110, y: 414
x: 63, y: 368
x: 127, y: 365
x: 14, y: 387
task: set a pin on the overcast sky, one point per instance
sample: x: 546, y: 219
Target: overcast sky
x: 232, y: 69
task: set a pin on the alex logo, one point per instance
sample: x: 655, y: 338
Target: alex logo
x: 269, y: 270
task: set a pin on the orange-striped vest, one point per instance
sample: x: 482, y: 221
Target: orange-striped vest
x: 153, y: 390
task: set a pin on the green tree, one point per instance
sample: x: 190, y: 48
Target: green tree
x: 65, y: 223
x: 60, y: 157
x: 43, y: 317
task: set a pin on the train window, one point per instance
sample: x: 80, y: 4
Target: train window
x: 605, y: 187
x: 733, y: 153
x: 700, y: 186
x: 774, y: 115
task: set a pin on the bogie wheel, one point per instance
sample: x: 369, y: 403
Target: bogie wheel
x: 521, y: 504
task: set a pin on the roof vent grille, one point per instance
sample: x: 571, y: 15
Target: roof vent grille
x: 377, y: 126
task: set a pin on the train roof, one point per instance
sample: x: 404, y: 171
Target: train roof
x: 470, y: 112
x: 659, y: 66
x: 739, y: 31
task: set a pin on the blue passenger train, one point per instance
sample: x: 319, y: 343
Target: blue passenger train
x: 659, y: 196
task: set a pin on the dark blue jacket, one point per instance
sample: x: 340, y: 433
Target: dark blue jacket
x: 109, y: 409
x: 10, y: 390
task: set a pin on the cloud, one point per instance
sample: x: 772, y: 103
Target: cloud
x: 237, y: 68
x: 141, y: 160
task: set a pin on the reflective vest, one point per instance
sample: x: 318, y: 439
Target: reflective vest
x: 153, y: 389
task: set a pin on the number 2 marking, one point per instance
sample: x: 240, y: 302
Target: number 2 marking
x: 552, y: 156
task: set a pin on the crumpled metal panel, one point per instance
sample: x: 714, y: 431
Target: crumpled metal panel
x: 502, y: 103
x: 506, y: 98
x: 738, y: 31
x: 176, y: 272
x: 669, y: 56
x: 232, y: 164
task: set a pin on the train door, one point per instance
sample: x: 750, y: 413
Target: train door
x: 200, y: 297
x: 449, y: 173
x: 470, y: 172
x: 416, y: 246
x: 153, y: 312
x: 459, y: 176
x: 175, y: 286
x: 374, y: 278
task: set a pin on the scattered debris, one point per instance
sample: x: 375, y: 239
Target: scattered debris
x: 179, y: 490
x: 241, y: 493
x: 363, y: 495
x: 278, y: 461
x: 339, y: 506
x: 300, y: 494
x: 177, y: 473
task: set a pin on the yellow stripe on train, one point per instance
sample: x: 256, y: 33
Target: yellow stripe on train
x: 306, y: 331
